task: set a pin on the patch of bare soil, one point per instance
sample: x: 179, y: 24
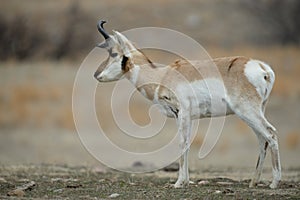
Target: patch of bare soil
x: 62, y: 182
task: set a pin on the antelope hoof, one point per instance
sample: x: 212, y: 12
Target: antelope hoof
x: 181, y: 184
x: 274, y: 185
x: 252, y: 184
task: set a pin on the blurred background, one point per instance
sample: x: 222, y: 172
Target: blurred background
x: 44, y: 42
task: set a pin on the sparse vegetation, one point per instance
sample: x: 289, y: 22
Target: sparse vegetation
x: 59, y: 182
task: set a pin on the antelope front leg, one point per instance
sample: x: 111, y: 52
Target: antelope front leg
x: 184, y: 129
x: 183, y: 177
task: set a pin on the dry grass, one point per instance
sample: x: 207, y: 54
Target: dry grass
x: 31, y: 103
x: 292, y: 139
x: 34, y: 97
x: 65, y: 120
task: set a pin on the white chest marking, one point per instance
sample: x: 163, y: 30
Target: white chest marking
x: 155, y: 99
x: 134, y: 74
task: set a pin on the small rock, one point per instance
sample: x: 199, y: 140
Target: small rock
x: 58, y: 191
x: 224, y: 183
x: 27, y: 186
x: 114, y: 195
x: 218, y: 192
x: 101, y: 180
x: 203, y: 182
x: 168, y: 185
x: 85, y: 197
x: 20, y: 191
x: 17, y: 192
x: 2, y: 180
x: 192, y: 182
x: 228, y: 191
x: 132, y: 183
x: 56, y: 179
x: 98, y: 170
x: 23, y: 180
x: 71, y: 180
x: 73, y: 186
x: 172, y: 181
x: 65, y: 180
x: 265, y: 182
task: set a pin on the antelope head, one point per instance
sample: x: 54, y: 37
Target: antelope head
x: 119, y: 49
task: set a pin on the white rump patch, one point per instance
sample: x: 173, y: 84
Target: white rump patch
x: 256, y: 76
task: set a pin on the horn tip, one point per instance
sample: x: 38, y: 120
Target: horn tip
x: 102, y: 22
x: 101, y: 29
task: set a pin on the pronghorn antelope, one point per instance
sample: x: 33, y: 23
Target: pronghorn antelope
x: 247, y: 86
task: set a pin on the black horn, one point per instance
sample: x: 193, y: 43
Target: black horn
x: 101, y: 29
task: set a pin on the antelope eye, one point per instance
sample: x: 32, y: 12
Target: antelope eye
x: 113, y: 54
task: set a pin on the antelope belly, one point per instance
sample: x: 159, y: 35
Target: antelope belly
x: 204, y: 98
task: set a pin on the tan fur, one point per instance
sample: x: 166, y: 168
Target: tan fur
x: 230, y: 69
x: 152, y: 75
x: 149, y: 90
x: 235, y: 80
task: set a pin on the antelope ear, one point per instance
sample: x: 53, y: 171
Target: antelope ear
x: 125, y: 44
x: 102, y: 45
x: 121, y: 39
x: 108, y: 43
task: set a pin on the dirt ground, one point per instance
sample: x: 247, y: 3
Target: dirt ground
x: 63, y: 182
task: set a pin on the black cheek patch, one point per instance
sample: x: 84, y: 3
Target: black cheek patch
x: 124, y: 63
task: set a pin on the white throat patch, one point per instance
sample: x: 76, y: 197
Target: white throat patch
x: 134, y: 74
